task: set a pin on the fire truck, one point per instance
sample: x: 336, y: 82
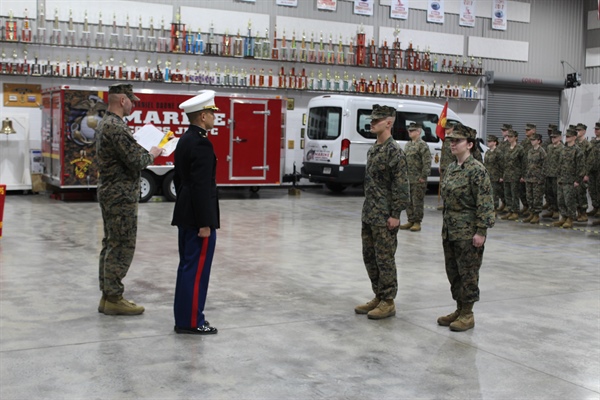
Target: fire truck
x: 248, y: 137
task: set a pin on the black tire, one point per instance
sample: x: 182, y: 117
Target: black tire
x: 254, y: 189
x: 168, y: 187
x: 335, y: 187
x: 147, y: 186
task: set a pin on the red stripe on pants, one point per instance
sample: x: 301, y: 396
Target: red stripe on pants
x: 201, y: 261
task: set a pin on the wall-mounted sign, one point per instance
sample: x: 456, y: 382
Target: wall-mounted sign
x: 22, y: 95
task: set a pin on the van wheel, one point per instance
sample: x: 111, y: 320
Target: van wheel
x: 147, y: 186
x: 168, y: 187
x: 336, y: 187
x: 254, y: 189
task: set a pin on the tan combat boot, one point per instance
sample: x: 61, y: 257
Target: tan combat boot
x: 524, y: 210
x: 513, y: 217
x: 384, y: 309
x: 365, y: 308
x: 568, y: 224
x: 582, y: 215
x: 555, y: 215
x: 505, y: 216
x: 501, y: 208
x: 593, y: 212
x: 102, y: 303
x: 466, y: 319
x: 535, y: 219
x: 406, y: 226
x: 416, y: 227
x: 529, y: 218
x: 547, y: 214
x: 560, y: 222
x: 118, y: 305
x: 446, y: 320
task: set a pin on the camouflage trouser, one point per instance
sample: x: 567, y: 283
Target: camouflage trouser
x: 595, y: 188
x: 511, y: 195
x: 551, y: 190
x: 379, y: 247
x: 118, y: 246
x: 497, y: 193
x: 535, y: 196
x: 417, y: 202
x: 523, y: 194
x: 463, y: 261
x: 567, y: 200
x: 582, y: 201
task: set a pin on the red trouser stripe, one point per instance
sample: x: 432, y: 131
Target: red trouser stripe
x: 201, y: 260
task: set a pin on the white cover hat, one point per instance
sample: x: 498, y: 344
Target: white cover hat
x: 205, y: 100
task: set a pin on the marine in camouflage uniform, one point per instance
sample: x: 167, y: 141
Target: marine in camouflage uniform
x: 550, y: 171
x: 586, y: 148
x: 534, y: 178
x: 494, y: 165
x: 468, y: 213
x: 514, y: 170
x: 418, y: 158
x: 570, y: 175
x: 594, y: 168
x: 502, y: 146
x: 548, y: 141
x: 386, y: 190
x: 120, y: 161
x: 530, y: 130
x: 446, y: 157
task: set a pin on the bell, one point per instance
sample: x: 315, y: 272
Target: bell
x: 7, y: 128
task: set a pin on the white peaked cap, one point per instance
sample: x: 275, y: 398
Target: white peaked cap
x: 205, y: 100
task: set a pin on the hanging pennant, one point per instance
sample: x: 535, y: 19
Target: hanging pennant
x: 399, y: 9
x: 499, y: 15
x: 435, y: 11
x: 363, y: 7
x: 329, y: 5
x: 467, y: 13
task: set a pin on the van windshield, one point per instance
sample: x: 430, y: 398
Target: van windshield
x: 403, y: 120
x: 324, y: 123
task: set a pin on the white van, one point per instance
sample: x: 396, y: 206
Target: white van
x: 338, y: 136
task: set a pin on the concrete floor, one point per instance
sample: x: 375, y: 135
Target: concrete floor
x: 287, y: 274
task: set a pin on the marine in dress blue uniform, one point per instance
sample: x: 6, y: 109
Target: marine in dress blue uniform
x: 196, y: 214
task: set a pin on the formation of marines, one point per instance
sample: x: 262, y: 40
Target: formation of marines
x: 549, y: 175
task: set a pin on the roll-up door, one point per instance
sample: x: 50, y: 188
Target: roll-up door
x: 516, y: 106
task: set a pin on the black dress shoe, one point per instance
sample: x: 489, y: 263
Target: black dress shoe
x: 205, y: 329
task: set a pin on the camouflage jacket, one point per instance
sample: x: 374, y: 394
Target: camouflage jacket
x: 446, y: 157
x: 571, y: 165
x: 546, y: 143
x: 594, y: 161
x: 418, y: 159
x: 494, y: 164
x: 468, y: 205
x: 586, y: 148
x: 535, y: 165
x: 514, y: 163
x: 526, y: 144
x: 120, y: 162
x: 386, y: 183
x: 551, y: 162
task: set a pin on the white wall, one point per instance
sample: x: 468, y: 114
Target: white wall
x: 581, y: 104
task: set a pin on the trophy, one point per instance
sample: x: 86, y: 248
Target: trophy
x: 284, y: 51
x: 85, y: 34
x: 26, y: 31
x: 152, y: 43
x: 212, y: 48
x: 226, y: 44
x: 177, y: 35
x: 55, y: 29
x: 266, y: 45
x: 340, y: 53
x: 303, y: 56
x: 41, y: 25
x: 258, y: 46
x: 361, y: 50
x: 162, y: 40
x: 249, y: 42
x: 127, y: 34
x: 11, y: 28
x: 293, y: 54
x: 330, y: 58
x: 70, y: 38
x: 396, y: 60
x: 385, y: 56
x: 321, y: 50
x: 189, y: 43
x: 35, y: 68
x: 114, y: 35
x: 199, y: 43
x: 274, y: 49
x: 141, y: 43
x: 100, y: 33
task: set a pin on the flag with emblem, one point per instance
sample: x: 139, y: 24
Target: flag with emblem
x: 440, y: 129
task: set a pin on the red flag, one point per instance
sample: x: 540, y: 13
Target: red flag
x: 440, y: 129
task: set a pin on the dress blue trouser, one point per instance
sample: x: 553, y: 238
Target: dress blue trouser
x: 193, y: 273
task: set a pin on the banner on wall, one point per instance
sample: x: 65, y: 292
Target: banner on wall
x: 290, y: 3
x: 467, y: 13
x: 399, y: 9
x: 499, y: 15
x: 363, y: 7
x: 435, y: 11
x: 329, y: 5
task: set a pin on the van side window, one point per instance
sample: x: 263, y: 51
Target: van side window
x: 324, y: 123
x: 399, y: 130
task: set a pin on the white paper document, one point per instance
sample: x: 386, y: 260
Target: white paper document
x: 148, y: 136
x: 169, y: 147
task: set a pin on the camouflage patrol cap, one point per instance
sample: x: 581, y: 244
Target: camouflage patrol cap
x: 461, y: 132
x: 597, y: 125
x: 380, y: 112
x: 571, y: 132
x: 414, y: 126
x: 535, y: 136
x: 512, y: 132
x: 492, y: 138
x: 552, y: 127
x: 506, y: 127
x: 123, y: 88
x: 529, y: 126
x: 581, y: 127
x: 556, y: 133
x: 571, y: 126
x: 451, y: 124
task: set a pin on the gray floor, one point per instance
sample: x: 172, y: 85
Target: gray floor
x: 286, y: 277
